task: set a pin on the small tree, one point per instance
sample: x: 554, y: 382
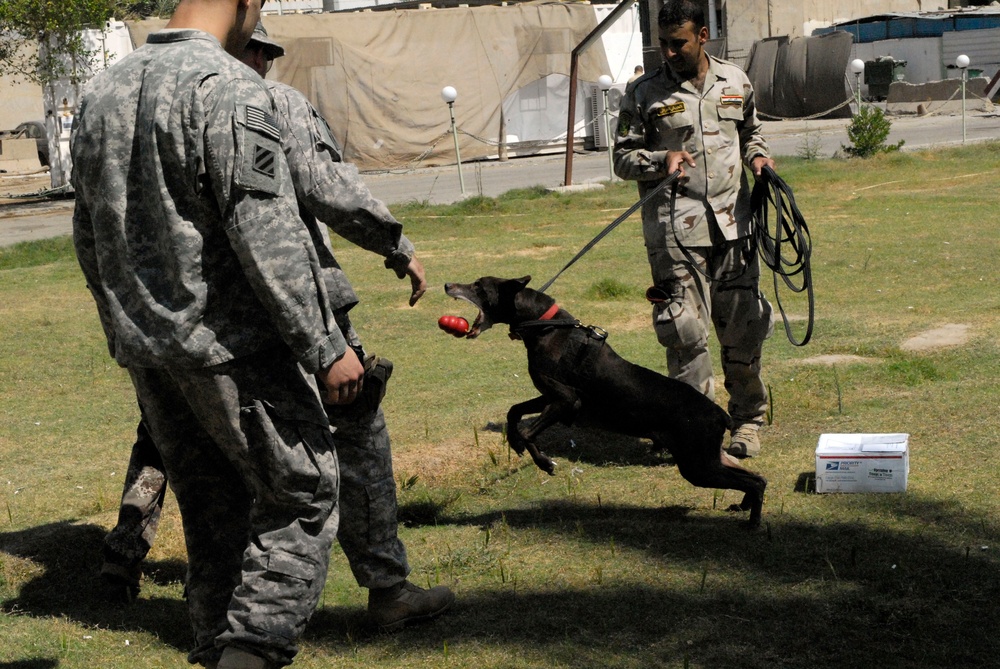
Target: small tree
x: 868, y: 131
x: 40, y: 40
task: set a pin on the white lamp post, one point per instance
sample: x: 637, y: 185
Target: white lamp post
x: 963, y: 64
x: 449, y: 95
x: 857, y: 67
x: 604, y: 81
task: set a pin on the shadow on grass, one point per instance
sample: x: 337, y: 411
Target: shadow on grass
x: 595, y: 446
x: 69, y: 555
x: 37, y: 663
x: 793, y: 594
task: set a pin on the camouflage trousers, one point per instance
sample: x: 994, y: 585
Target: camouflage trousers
x: 368, y: 507
x: 729, y: 297
x: 249, y: 454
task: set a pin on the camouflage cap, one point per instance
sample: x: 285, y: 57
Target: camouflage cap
x: 259, y: 38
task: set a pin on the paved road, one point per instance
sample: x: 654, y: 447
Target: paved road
x: 437, y: 185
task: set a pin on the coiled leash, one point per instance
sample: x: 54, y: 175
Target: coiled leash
x: 787, y: 250
x: 614, y: 224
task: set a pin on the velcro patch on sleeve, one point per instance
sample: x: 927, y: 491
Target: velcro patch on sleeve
x: 257, y: 149
x: 624, y: 123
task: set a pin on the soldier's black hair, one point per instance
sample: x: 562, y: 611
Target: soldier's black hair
x: 679, y: 12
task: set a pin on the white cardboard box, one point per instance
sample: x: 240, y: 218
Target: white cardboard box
x: 862, y: 462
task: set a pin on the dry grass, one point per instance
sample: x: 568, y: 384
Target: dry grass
x: 615, y: 561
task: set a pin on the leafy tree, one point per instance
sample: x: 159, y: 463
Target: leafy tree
x: 40, y: 40
x: 868, y: 131
x: 26, y: 25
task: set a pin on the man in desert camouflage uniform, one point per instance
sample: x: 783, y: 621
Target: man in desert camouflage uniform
x: 210, y: 292
x: 332, y: 191
x: 696, y: 114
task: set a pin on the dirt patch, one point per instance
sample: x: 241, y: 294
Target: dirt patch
x: 19, y: 186
x: 952, y: 334
x: 837, y: 359
x: 447, y: 461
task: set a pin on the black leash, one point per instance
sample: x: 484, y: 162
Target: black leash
x: 787, y: 249
x: 614, y: 224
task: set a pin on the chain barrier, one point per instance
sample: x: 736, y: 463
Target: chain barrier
x: 413, y: 165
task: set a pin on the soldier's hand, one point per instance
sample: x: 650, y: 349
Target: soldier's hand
x: 758, y: 163
x: 418, y: 283
x: 341, y: 382
x: 677, y: 159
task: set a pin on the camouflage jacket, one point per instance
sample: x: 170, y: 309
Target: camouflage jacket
x: 186, y: 225
x: 332, y: 191
x: 717, y: 126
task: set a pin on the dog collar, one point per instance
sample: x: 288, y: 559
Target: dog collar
x: 552, y: 311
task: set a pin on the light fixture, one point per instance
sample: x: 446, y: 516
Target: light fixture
x: 962, y: 62
x: 605, y: 82
x: 449, y: 95
x: 857, y: 67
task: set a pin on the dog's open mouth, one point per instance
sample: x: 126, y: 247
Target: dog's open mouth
x: 478, y: 323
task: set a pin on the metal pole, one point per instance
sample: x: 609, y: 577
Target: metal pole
x: 607, y: 135
x: 458, y: 155
x: 965, y: 73
x: 857, y: 85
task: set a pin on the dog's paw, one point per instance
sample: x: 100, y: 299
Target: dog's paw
x: 546, y: 464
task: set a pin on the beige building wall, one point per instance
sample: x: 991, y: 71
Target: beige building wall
x: 750, y: 20
x: 21, y: 102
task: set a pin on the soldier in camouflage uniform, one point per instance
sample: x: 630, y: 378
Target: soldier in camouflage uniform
x: 210, y: 292
x: 332, y: 191
x: 696, y: 114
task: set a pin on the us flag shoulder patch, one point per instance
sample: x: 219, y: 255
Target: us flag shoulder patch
x: 262, y: 122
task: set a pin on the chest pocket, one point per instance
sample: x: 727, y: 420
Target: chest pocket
x: 674, y: 123
x: 730, y: 112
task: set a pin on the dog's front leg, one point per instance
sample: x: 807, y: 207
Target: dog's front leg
x: 553, y: 413
x: 514, y: 416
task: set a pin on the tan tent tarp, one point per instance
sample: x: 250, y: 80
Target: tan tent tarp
x: 801, y: 77
x: 377, y: 76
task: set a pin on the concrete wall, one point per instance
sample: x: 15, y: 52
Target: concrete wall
x: 21, y: 102
x: 750, y: 20
x: 19, y: 155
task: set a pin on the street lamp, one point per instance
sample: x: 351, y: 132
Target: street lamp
x: 963, y: 64
x: 449, y: 95
x: 857, y: 67
x: 604, y: 81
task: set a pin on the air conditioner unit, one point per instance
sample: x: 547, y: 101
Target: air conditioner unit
x: 615, y: 94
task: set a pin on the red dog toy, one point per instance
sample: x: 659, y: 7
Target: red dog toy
x: 454, y: 325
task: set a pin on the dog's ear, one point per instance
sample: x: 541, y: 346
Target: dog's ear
x: 523, y: 280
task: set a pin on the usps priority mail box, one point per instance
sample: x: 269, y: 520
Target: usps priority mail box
x: 862, y: 462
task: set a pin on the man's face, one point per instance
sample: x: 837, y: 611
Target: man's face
x: 254, y: 56
x: 683, y: 48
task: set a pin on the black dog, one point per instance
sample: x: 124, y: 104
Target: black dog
x: 579, y: 375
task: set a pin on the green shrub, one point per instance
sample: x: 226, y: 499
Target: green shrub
x: 868, y: 131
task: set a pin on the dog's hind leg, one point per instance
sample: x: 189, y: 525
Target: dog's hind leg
x: 702, y: 463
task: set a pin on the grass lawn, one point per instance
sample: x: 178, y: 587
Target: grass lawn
x: 615, y: 561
